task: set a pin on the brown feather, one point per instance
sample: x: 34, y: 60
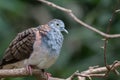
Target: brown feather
x: 20, y: 48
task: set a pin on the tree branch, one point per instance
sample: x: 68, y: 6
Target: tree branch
x: 69, y: 11
x: 92, y: 72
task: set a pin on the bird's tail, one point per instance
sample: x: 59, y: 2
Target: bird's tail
x: 1, y: 66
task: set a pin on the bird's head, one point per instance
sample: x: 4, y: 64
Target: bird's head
x: 57, y: 24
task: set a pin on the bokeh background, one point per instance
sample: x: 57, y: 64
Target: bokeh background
x: 81, y: 48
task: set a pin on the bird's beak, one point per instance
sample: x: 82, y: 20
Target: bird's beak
x: 65, y: 31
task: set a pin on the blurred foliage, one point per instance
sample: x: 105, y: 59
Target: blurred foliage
x: 81, y: 47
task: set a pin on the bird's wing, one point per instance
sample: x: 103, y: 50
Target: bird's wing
x: 20, y: 48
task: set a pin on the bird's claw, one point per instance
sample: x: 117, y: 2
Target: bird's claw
x: 29, y: 69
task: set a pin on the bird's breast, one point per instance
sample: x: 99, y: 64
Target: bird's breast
x: 43, y: 56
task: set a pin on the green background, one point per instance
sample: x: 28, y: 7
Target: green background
x: 81, y: 47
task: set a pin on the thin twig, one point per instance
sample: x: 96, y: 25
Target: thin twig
x: 106, y: 39
x: 117, y: 11
x: 106, y: 42
x: 110, y: 68
x: 69, y: 12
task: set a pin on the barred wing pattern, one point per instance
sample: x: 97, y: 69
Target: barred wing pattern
x: 20, y: 48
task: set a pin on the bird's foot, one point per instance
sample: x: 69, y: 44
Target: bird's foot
x: 29, y: 69
x: 46, y: 74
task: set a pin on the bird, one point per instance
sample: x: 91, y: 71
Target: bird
x: 38, y: 47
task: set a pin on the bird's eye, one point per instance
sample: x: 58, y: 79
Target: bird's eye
x: 57, y: 24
